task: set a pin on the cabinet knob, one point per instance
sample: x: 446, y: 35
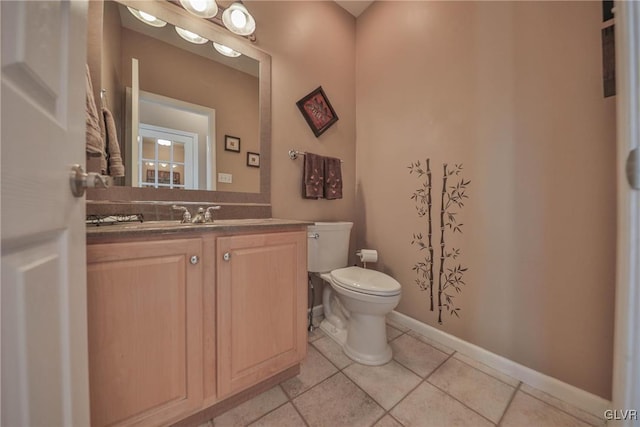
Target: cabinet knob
x: 226, y: 256
x: 194, y: 259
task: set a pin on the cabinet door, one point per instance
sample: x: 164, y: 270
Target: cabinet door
x: 262, y: 301
x: 145, y: 331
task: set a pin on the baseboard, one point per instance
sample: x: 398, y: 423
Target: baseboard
x: 579, y: 398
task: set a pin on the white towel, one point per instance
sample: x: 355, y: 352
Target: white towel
x: 95, y: 140
x: 116, y: 168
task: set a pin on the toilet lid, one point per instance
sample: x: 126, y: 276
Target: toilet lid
x: 366, y: 281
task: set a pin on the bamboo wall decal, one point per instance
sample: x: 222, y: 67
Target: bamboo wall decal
x: 422, y: 196
x: 451, y: 201
x: 442, y: 244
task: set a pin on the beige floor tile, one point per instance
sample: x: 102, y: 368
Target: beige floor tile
x: 576, y: 412
x: 315, y: 334
x: 252, y: 409
x: 313, y: 370
x: 284, y: 416
x: 393, y: 333
x: 332, y: 351
x: 427, y: 406
x: 338, y: 402
x: 443, y: 348
x: 421, y: 358
x: 487, y: 370
x: 526, y: 410
x: 387, y: 384
x: 479, y: 391
x: 387, y: 421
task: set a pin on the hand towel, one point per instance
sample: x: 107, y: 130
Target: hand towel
x: 332, y: 178
x: 95, y: 141
x: 313, y: 176
x: 116, y: 168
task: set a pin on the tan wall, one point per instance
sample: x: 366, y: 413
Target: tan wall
x: 239, y: 93
x: 311, y: 44
x: 513, y: 91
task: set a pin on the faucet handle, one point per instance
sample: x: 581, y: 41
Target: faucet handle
x: 186, y: 216
x: 208, y: 215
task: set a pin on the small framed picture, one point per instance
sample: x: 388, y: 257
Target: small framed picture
x: 232, y: 143
x: 317, y: 111
x: 253, y: 159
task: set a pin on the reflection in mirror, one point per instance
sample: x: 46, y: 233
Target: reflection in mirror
x: 165, y: 88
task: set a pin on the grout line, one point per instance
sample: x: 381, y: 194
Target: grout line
x: 486, y: 373
x: 513, y: 396
x: 461, y: 402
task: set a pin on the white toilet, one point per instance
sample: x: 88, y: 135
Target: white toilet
x: 356, y: 303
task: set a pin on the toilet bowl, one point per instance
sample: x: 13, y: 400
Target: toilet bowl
x: 367, y: 296
x: 355, y: 300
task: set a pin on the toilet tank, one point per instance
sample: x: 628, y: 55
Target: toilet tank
x: 330, y: 250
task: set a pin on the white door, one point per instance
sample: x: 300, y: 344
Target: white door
x: 626, y: 376
x: 43, y: 294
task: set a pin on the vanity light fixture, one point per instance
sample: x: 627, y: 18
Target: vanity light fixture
x: 164, y: 165
x: 164, y: 142
x: 201, y: 8
x: 191, y: 37
x: 238, y: 20
x: 225, y: 50
x: 147, y: 18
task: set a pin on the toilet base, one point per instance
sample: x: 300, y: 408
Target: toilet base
x: 339, y: 335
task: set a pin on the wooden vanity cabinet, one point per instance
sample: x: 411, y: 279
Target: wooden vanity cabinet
x: 169, y: 338
x: 261, y: 292
x: 145, y: 331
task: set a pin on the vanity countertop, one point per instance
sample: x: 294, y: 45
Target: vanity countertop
x: 163, y: 228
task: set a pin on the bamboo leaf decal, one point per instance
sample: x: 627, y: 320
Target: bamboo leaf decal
x: 450, y: 278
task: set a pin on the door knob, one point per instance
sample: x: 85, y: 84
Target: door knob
x: 79, y: 180
x: 194, y: 259
x: 226, y: 256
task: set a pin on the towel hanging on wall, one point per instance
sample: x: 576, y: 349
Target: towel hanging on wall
x: 95, y: 140
x: 116, y: 168
x: 313, y: 176
x: 332, y: 178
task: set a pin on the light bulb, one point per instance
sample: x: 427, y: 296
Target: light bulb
x: 147, y: 18
x: 201, y: 8
x: 190, y: 36
x: 199, y: 5
x: 225, y: 50
x: 238, y: 18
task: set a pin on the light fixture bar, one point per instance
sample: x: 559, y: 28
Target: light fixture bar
x: 217, y: 19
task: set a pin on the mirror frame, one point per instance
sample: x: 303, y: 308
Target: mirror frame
x: 176, y: 15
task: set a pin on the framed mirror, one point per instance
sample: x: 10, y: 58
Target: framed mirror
x: 177, y: 104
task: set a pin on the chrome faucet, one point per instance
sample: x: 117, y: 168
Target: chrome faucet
x: 200, y: 217
x: 186, y: 216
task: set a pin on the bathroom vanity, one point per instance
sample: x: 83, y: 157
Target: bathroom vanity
x: 183, y: 317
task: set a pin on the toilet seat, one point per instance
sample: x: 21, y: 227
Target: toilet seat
x: 365, y: 281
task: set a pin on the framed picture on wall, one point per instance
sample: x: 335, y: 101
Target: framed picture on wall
x: 253, y: 159
x: 232, y: 143
x: 317, y: 111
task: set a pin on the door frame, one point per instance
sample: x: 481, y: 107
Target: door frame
x: 626, y: 362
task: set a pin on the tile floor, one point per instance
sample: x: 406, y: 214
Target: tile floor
x: 426, y: 384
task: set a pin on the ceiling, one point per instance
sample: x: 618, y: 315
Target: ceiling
x: 354, y: 7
